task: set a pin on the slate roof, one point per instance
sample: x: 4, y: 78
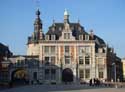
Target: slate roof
x: 75, y: 32
x: 4, y: 50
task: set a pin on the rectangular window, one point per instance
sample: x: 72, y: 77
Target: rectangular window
x: 46, y: 59
x: 53, y: 49
x: 87, y: 73
x: 52, y: 37
x: 67, y: 59
x: 87, y: 60
x: 86, y: 37
x: 46, y: 49
x: 80, y: 60
x: 66, y: 49
x: 81, y: 73
x: 66, y: 35
x: 47, y: 37
x: 87, y: 49
x: 100, y: 74
x: 53, y: 60
x: 80, y: 37
x: 81, y: 50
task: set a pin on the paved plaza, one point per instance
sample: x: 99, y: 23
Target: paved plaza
x: 63, y: 88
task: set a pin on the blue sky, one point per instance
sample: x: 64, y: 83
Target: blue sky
x: 105, y: 17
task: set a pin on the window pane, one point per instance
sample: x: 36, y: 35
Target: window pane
x: 100, y: 74
x: 81, y: 73
x: 87, y: 49
x: 66, y: 49
x: 52, y: 60
x: 64, y: 35
x: 52, y: 49
x: 52, y: 37
x: 87, y: 60
x: 46, y: 49
x: 87, y: 73
x: 68, y: 35
x: 67, y: 60
x: 80, y: 37
x: 80, y: 60
x: 47, y: 59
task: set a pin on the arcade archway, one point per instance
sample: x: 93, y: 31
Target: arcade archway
x: 19, y: 76
x: 67, y: 75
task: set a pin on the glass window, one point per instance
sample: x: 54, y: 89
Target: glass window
x: 67, y: 59
x: 80, y: 37
x: 100, y: 74
x: 81, y: 50
x: 52, y: 49
x: 87, y: 37
x: 52, y: 60
x: 46, y: 49
x: 87, y: 60
x: 47, y: 59
x: 66, y: 35
x: 81, y: 73
x: 80, y: 60
x: 47, y: 37
x: 66, y: 49
x: 87, y: 73
x: 52, y: 37
x: 87, y: 49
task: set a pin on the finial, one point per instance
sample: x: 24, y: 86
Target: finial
x: 66, y: 12
x: 38, y: 12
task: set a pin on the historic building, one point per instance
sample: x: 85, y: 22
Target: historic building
x: 123, y: 61
x: 68, y: 53
x: 65, y: 53
x: 5, y: 53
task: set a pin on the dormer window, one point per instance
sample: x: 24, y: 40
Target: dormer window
x: 86, y: 37
x: 80, y: 37
x: 47, y: 37
x: 52, y: 37
x: 66, y: 35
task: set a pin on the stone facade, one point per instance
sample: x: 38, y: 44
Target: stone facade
x: 68, y: 46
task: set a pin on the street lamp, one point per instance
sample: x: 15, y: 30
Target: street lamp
x: 114, y: 69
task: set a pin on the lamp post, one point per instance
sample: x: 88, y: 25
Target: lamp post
x: 114, y: 69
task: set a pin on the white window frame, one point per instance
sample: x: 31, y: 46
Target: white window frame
x: 47, y: 37
x: 86, y: 37
x: 52, y: 37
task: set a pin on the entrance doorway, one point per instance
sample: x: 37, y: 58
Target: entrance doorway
x: 67, y: 75
x: 19, y: 77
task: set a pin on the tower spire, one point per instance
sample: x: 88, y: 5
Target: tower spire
x: 66, y: 16
x: 38, y: 22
